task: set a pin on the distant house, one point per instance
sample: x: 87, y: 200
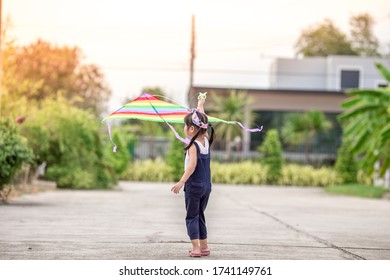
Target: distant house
x: 299, y: 85
x: 332, y: 73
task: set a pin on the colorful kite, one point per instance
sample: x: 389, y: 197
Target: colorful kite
x: 148, y: 107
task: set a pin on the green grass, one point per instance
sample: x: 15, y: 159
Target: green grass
x: 357, y: 190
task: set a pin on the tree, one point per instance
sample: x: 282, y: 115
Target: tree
x: 302, y: 128
x: 322, y: 40
x: 363, y: 39
x: 231, y: 107
x: 366, y: 122
x: 42, y: 70
x: 272, y: 155
x: 13, y: 101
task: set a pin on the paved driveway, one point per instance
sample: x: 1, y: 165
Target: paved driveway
x: 146, y: 221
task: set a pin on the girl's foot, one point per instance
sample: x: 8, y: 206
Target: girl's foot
x: 195, y: 253
x: 205, y: 252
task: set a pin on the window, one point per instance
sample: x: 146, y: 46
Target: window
x: 349, y: 79
x: 382, y: 84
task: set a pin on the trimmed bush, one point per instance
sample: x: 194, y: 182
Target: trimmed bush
x: 346, y: 164
x: 272, y: 155
x: 297, y: 175
x: 149, y: 171
x: 239, y: 173
x: 247, y: 172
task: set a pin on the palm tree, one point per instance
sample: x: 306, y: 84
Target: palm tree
x: 367, y: 123
x: 231, y: 107
x: 302, y: 128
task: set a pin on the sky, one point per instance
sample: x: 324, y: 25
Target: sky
x: 146, y: 43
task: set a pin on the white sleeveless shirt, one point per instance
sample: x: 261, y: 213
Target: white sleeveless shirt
x: 203, y: 150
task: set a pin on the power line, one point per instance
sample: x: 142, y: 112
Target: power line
x: 225, y: 71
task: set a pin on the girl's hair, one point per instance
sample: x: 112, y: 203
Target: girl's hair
x: 188, y: 120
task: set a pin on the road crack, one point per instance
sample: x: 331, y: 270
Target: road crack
x: 309, y: 235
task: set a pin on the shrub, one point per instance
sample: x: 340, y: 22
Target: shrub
x: 272, y: 155
x: 346, y: 165
x: 118, y: 161
x: 364, y: 179
x: 149, y: 171
x: 175, y: 158
x: 239, y: 173
x: 13, y: 153
x: 297, y: 175
x: 68, y: 139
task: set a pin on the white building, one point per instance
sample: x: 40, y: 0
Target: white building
x: 332, y: 73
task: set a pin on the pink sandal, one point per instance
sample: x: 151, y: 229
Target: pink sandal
x: 195, y: 253
x: 205, y: 252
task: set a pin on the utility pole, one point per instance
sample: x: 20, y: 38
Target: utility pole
x: 1, y: 55
x: 192, y: 58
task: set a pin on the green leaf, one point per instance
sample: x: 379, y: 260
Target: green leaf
x: 350, y: 102
x: 385, y: 72
x: 385, y: 132
x: 358, y: 110
x: 354, y: 128
x: 385, y: 166
x: 372, y: 92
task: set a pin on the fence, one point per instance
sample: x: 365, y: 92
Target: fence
x: 153, y: 147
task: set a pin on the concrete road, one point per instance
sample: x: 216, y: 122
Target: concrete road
x: 145, y: 221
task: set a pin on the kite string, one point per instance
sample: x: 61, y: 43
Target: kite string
x: 170, y: 99
x: 258, y: 129
x: 185, y: 141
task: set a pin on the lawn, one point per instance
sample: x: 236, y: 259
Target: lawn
x: 359, y: 190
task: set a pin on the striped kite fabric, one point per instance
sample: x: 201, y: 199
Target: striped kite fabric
x: 148, y: 107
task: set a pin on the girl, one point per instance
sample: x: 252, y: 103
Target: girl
x: 196, y: 178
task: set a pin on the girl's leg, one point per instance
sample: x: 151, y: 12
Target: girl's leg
x: 202, y: 219
x: 202, y: 225
x: 192, y: 216
x: 204, y: 248
x: 203, y: 244
x: 195, y: 244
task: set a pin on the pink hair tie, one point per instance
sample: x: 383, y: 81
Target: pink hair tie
x: 196, y: 121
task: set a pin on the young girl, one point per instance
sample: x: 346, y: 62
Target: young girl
x: 197, y: 178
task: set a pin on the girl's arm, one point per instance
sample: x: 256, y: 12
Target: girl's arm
x: 189, y: 170
x: 201, y: 101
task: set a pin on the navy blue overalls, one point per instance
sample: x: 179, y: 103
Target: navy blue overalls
x: 197, y: 191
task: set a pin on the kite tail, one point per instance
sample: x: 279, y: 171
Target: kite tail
x: 178, y: 137
x: 109, y: 134
x: 258, y: 129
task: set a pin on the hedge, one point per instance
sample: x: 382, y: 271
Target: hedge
x: 237, y: 173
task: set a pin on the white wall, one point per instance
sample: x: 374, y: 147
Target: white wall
x: 324, y: 73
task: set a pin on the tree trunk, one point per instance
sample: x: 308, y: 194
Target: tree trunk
x: 308, y: 149
x: 228, y: 146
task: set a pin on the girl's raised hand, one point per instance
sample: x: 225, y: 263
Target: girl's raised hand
x: 201, y: 101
